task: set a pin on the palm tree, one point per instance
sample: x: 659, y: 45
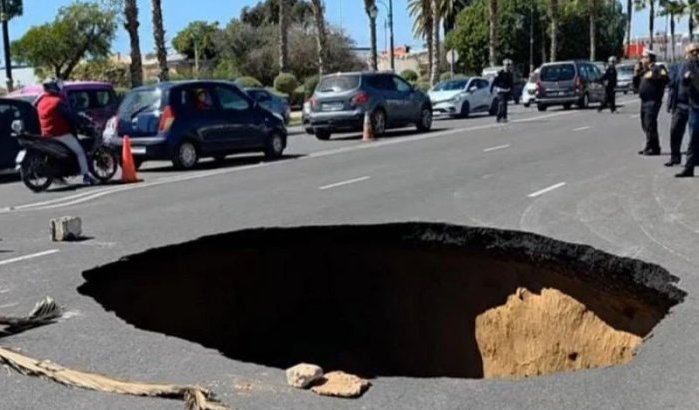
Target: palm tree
x: 554, y: 16
x: 641, y: 4
x: 283, y: 37
x: 593, y: 7
x: 493, y: 35
x: 321, y: 36
x: 131, y: 26
x: 370, y: 8
x: 422, y: 26
x: 629, y: 17
x: 436, y: 55
x: 672, y: 9
x: 691, y: 10
x: 159, y: 34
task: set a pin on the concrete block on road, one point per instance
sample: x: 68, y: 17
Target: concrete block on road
x: 66, y: 228
x: 303, y: 375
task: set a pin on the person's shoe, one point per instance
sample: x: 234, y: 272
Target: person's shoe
x: 686, y: 173
x: 672, y: 163
x: 504, y: 120
x: 650, y: 152
x: 88, y: 180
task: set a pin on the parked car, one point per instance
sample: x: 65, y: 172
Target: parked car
x: 569, y: 82
x: 96, y: 99
x: 305, y: 117
x: 272, y: 102
x: 624, y: 78
x: 461, y: 97
x: 341, y: 100
x: 185, y: 121
x: 518, y: 85
x: 10, y: 110
x: 529, y: 92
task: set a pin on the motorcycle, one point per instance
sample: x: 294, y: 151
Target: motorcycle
x: 43, y: 161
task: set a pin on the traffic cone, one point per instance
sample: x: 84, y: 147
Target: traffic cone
x: 128, y: 168
x: 368, y: 134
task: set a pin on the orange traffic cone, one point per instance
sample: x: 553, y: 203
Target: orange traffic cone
x: 128, y: 168
x: 368, y: 134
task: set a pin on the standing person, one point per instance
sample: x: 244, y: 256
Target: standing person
x: 59, y: 121
x: 502, y: 85
x: 678, y: 105
x: 690, y: 79
x: 609, y: 79
x: 650, y: 79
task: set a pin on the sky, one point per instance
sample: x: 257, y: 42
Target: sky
x: 348, y: 14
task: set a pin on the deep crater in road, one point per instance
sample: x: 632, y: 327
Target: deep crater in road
x: 408, y: 299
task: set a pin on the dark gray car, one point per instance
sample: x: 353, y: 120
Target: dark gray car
x: 341, y: 100
x: 271, y: 102
x: 569, y: 83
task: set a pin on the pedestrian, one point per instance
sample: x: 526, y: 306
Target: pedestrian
x: 609, y: 79
x: 502, y: 86
x: 650, y: 79
x: 678, y: 106
x: 689, y: 74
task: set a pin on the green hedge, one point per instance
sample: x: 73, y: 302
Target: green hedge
x: 310, y: 85
x: 286, y: 83
x: 248, y: 82
x: 409, y: 75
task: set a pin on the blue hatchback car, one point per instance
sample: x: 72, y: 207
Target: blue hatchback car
x: 185, y: 121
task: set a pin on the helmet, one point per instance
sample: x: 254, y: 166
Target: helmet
x: 612, y: 60
x: 53, y: 85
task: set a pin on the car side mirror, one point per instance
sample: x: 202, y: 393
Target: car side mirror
x: 472, y: 89
x: 18, y: 126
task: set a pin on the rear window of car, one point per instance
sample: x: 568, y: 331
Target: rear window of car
x: 91, y: 99
x: 138, y: 101
x: 452, y: 85
x: 558, y: 72
x: 338, y: 83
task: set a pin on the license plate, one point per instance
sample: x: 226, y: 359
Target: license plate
x: 333, y: 106
x: 20, y: 157
x: 138, y: 150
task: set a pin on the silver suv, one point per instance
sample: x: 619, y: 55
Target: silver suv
x: 341, y: 100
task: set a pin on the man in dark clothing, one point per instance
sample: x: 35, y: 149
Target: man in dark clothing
x: 650, y: 80
x: 678, y: 105
x: 502, y: 85
x: 689, y: 74
x: 609, y: 79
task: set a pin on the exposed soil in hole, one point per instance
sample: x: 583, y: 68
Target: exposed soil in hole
x: 400, y: 299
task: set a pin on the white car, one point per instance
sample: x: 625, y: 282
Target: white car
x: 461, y: 97
x: 529, y: 91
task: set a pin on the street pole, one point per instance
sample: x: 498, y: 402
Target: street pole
x: 6, y: 43
x: 390, y: 23
x: 531, y: 36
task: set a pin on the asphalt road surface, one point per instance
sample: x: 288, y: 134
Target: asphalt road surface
x: 572, y: 175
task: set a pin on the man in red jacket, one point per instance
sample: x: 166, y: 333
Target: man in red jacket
x: 59, y: 121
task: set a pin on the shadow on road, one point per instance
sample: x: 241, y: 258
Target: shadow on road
x: 388, y: 134
x: 226, y: 163
x: 7, y: 179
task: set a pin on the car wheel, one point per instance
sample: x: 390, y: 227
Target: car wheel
x: 378, y: 122
x: 541, y: 107
x: 186, y: 155
x: 584, y: 102
x: 322, y: 135
x: 465, y: 110
x: 275, y: 146
x: 566, y: 106
x: 424, y: 124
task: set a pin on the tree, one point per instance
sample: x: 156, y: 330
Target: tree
x: 554, y: 16
x: 103, y: 70
x: 321, y: 35
x: 159, y: 35
x: 493, y: 37
x: 420, y: 11
x: 197, y: 40
x: 267, y: 12
x: 80, y: 30
x: 641, y: 4
x: 131, y: 25
x: 629, y: 19
x: 283, y: 36
x: 672, y: 9
x: 436, y: 55
x: 370, y: 8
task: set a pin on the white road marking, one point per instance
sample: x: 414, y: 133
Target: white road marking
x: 581, y: 129
x: 496, y: 148
x: 26, y: 257
x: 342, y: 183
x: 94, y: 194
x: 545, y: 190
x: 634, y: 116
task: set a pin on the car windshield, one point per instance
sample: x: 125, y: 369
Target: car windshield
x: 452, y: 85
x: 625, y: 69
x: 338, y: 83
x: 140, y: 101
x: 558, y: 72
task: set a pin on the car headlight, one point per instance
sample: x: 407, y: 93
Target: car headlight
x: 458, y: 97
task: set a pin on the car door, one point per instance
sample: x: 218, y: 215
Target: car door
x: 394, y: 102
x: 203, y: 116
x: 595, y: 85
x: 410, y: 106
x: 481, y: 94
x: 244, y: 123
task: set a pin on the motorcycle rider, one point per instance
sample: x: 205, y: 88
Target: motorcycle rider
x: 59, y: 121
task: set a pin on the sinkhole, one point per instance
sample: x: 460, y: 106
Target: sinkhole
x: 410, y: 299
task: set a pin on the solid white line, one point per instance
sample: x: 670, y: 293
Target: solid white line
x: 581, y: 129
x: 545, y: 190
x: 349, y: 181
x: 25, y: 257
x: 496, y: 148
x: 634, y: 116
